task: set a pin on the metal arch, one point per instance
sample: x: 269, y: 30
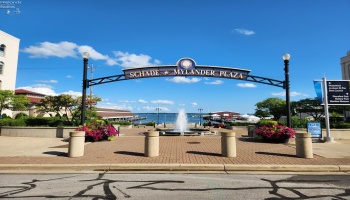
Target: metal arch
x: 267, y: 81
x: 251, y: 78
x: 107, y: 79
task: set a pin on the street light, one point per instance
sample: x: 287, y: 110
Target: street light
x: 158, y: 109
x: 286, y: 86
x: 86, y: 56
x: 200, y: 116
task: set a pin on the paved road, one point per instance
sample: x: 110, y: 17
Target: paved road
x: 173, y: 186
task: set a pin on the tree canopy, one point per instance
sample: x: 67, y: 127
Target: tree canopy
x: 8, y: 100
x: 271, y: 106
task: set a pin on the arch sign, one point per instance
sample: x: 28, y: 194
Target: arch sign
x: 186, y: 67
x: 183, y: 67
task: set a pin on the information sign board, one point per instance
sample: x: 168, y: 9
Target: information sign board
x: 315, y: 129
x: 338, y: 92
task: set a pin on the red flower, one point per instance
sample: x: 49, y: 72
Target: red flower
x: 97, y: 132
x: 275, y: 132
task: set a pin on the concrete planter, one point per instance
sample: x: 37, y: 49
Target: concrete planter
x: 46, y: 132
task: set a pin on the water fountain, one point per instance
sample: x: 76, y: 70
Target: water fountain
x: 181, y: 124
x: 181, y: 127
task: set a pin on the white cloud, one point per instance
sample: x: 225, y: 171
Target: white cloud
x: 243, y: 31
x: 292, y: 94
x: 246, y: 85
x: 47, y: 81
x: 48, y: 49
x: 149, y: 108
x: 93, y: 54
x: 40, y: 88
x: 69, y: 76
x: 47, y: 90
x: 181, y: 79
x: 163, y: 102
x: 128, y: 60
x: 194, y: 104
x: 69, y: 49
x: 73, y: 93
x: 217, y: 82
x: 142, y: 101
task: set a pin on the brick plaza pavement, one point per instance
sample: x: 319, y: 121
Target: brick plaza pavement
x: 129, y: 149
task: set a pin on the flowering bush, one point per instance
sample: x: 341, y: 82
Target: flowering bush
x: 98, y: 131
x: 275, y: 133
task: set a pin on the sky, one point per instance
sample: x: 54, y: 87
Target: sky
x: 119, y: 34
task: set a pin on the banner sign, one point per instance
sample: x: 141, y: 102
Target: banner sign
x: 314, y: 128
x: 338, y: 92
x: 318, y: 90
x: 186, y: 67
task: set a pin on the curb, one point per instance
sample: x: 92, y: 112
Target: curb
x: 174, y: 167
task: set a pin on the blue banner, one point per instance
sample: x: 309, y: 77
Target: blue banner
x: 318, y: 90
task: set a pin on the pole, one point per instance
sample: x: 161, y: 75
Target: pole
x: 328, y: 138
x: 158, y: 115
x: 91, y: 77
x: 286, y: 85
x: 200, y: 116
x: 83, y: 100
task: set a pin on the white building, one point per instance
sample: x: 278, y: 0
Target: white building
x: 9, y: 48
x: 345, y: 67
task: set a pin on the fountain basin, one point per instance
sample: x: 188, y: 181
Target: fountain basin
x: 189, y: 132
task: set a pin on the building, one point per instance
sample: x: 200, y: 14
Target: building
x: 9, y: 48
x: 345, y: 66
x: 34, y: 99
x: 115, y: 115
x: 223, y: 115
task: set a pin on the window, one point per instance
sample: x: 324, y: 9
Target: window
x: 1, y: 66
x: 2, y: 50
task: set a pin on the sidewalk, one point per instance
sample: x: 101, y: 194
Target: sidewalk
x: 194, y: 153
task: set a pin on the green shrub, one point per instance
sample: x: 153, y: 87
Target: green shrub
x: 12, y: 122
x: 46, y: 121
x: 152, y: 123
x: 340, y: 125
x: 4, y: 116
x: 266, y: 122
x: 21, y: 115
x: 120, y: 123
x: 296, y: 122
x: 241, y: 123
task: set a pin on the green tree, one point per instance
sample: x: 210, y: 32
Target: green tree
x: 271, y: 106
x: 311, y: 107
x: 339, y: 109
x: 61, y: 103
x: 8, y: 100
x: 20, y: 102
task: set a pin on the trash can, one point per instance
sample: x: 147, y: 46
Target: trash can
x: 76, y: 144
x: 251, y: 130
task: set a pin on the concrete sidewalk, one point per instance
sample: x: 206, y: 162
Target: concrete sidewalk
x: 193, y: 153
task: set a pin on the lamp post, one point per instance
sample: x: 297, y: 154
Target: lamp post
x: 286, y: 58
x: 200, y: 116
x: 85, y: 81
x: 158, y: 109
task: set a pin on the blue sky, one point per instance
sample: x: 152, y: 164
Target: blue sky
x: 246, y: 34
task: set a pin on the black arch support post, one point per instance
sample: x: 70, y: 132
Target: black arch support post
x: 83, y: 99
x: 286, y: 86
